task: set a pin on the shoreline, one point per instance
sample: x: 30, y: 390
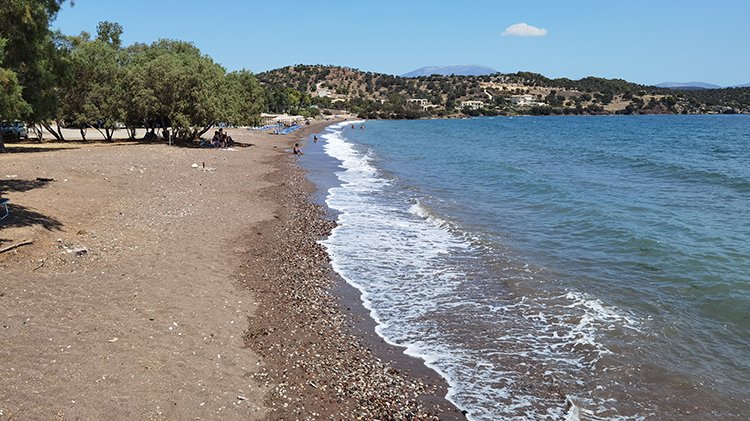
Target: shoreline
x: 320, y: 169
x: 374, y: 366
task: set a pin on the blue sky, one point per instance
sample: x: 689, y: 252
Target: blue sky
x: 644, y: 41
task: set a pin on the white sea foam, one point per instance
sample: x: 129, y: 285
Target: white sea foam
x: 406, y: 262
x: 421, y: 210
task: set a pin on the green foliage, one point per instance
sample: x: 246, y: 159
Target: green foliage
x: 247, y: 97
x: 12, y: 104
x: 167, y: 84
x: 178, y: 87
x: 554, y: 100
x: 109, y: 32
x: 93, y: 96
x: 605, y: 97
x: 31, y: 53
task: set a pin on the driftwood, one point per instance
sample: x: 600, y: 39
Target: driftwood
x: 11, y: 247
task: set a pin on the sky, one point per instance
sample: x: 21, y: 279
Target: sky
x: 642, y: 41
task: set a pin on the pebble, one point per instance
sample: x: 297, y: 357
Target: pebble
x: 315, y: 367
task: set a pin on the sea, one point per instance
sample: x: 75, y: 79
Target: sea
x: 560, y: 268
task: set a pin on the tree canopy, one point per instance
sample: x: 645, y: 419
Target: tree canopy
x: 30, y: 53
x: 50, y: 79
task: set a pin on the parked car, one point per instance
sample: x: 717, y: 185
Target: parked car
x: 14, y: 130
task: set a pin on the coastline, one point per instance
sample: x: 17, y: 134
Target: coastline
x: 130, y: 301
x: 339, y: 366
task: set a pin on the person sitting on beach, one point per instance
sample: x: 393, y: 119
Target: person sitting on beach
x: 228, y: 141
x: 297, y: 150
x: 216, y: 141
x: 222, y: 137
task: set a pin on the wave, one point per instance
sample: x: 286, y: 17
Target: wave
x: 423, y: 211
x: 504, y: 354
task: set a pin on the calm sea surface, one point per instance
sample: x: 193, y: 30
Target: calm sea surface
x: 580, y: 267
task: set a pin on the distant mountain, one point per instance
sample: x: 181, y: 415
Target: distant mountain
x: 460, y: 70
x: 747, y: 85
x: 688, y: 85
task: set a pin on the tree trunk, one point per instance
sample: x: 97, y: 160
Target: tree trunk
x: 38, y: 132
x: 100, y: 132
x: 131, y: 133
x: 83, y: 133
x: 57, y: 135
x: 59, y: 130
x: 2, y: 143
x: 109, y: 133
x: 205, y: 129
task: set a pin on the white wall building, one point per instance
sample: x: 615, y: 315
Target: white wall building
x: 472, y: 105
x: 524, y: 100
x: 421, y: 102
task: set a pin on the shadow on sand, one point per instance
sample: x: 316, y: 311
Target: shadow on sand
x: 34, y: 149
x: 23, y: 185
x: 22, y: 216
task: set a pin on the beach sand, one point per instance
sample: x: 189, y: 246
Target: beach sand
x: 157, y: 290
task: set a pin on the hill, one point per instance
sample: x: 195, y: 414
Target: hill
x: 459, y: 70
x: 375, y: 95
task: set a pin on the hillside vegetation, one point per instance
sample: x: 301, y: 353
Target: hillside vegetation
x: 374, y: 95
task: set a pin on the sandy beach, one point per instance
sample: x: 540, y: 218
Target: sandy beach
x: 153, y: 289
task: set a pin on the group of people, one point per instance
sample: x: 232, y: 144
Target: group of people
x: 221, y: 139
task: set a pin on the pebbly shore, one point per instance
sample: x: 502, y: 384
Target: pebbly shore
x: 316, y: 361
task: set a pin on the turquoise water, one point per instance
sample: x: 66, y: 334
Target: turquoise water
x: 591, y: 267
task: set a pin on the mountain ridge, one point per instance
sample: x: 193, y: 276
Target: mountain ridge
x: 696, y: 85
x: 378, y: 95
x: 687, y: 85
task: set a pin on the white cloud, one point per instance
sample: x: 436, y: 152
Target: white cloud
x: 523, y: 29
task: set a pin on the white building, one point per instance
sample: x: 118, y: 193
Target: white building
x: 421, y: 102
x: 523, y: 100
x: 472, y: 105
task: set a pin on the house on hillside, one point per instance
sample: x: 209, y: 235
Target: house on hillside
x: 421, y: 102
x: 472, y: 105
x: 524, y: 100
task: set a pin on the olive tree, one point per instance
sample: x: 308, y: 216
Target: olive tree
x: 93, y: 97
x: 178, y: 87
x: 31, y: 53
